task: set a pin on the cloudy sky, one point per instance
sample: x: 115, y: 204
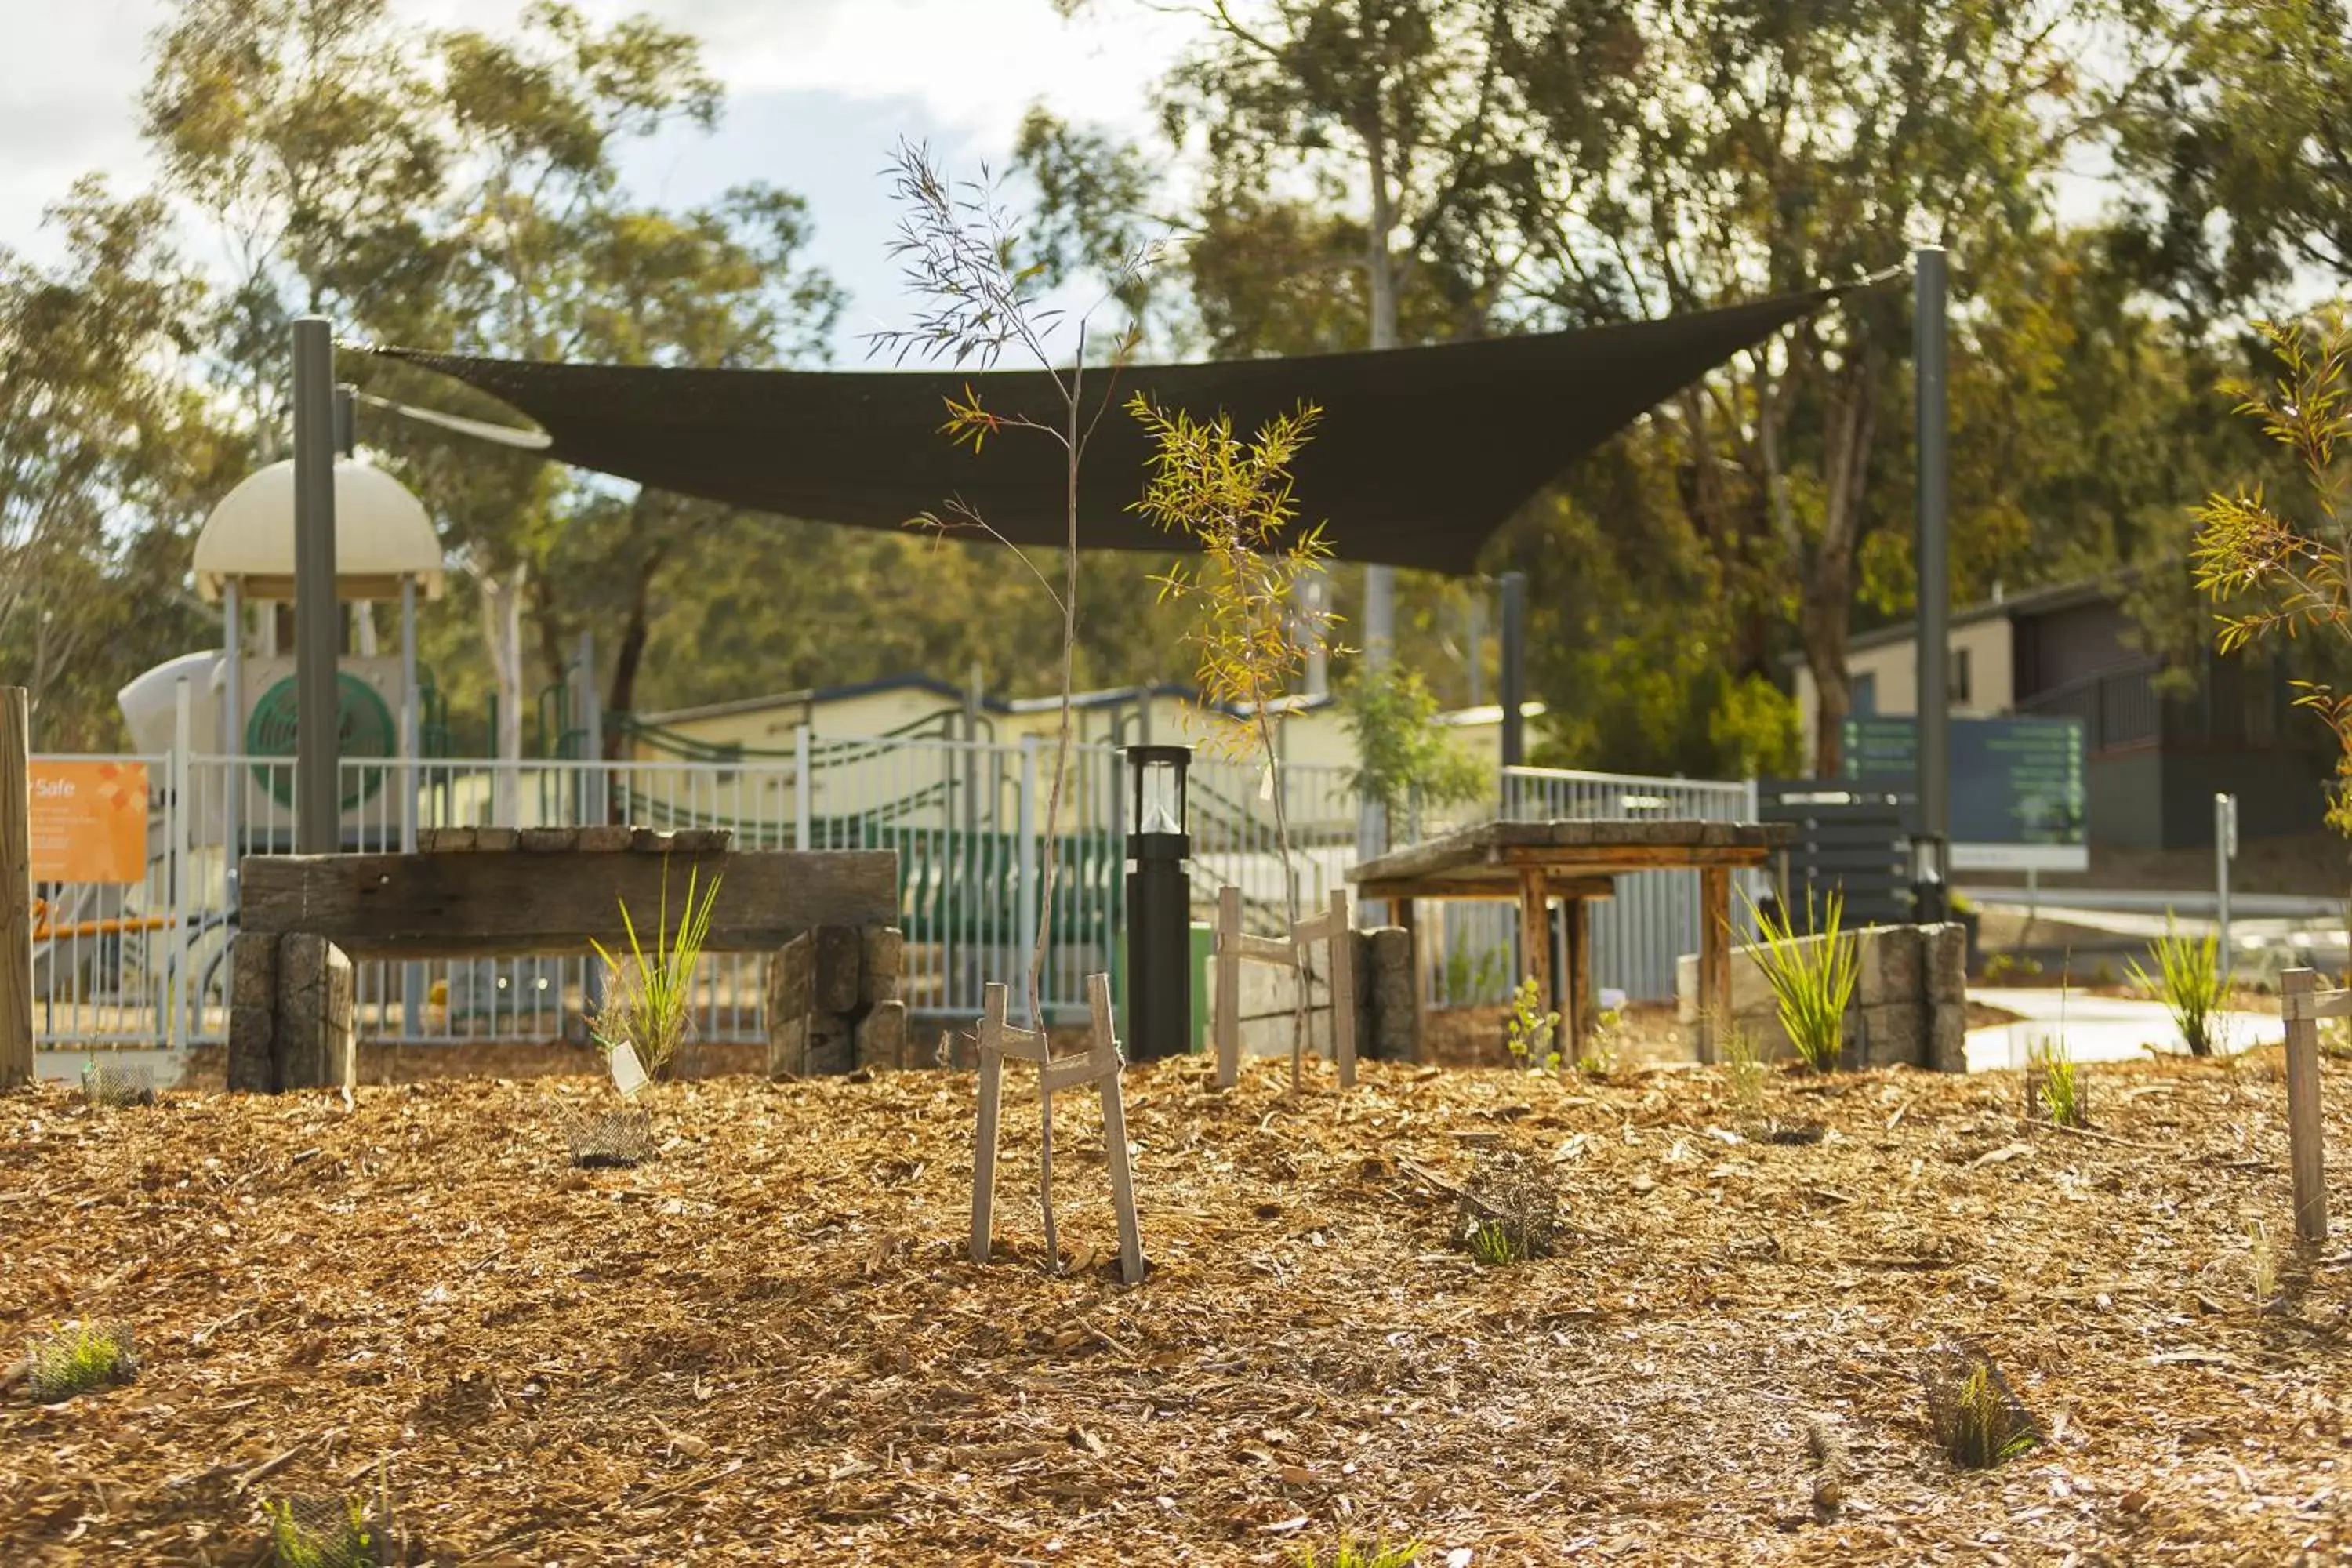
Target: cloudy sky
x: 818, y: 92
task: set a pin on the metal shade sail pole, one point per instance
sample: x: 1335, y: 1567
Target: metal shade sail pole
x: 1934, y: 565
x: 318, y: 811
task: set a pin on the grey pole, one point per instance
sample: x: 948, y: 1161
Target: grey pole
x: 1512, y: 679
x: 1934, y: 567
x: 317, y: 809
x: 347, y: 423
x: 232, y: 726
x: 2225, y: 849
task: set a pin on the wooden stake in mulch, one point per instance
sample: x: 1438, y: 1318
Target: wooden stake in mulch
x: 15, y: 890
x: 1100, y: 1064
x: 2303, y: 1004
x: 1235, y: 947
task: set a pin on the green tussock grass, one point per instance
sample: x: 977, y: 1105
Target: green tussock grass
x: 2191, y: 982
x: 77, y: 1359
x: 344, y: 1539
x: 649, y: 1001
x: 1353, y: 1553
x: 2057, y: 1082
x: 1493, y: 1245
x: 1812, y: 978
x: 1976, y: 1421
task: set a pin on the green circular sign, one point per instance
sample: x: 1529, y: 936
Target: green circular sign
x: 364, y: 726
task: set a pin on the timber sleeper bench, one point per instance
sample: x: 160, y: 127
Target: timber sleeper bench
x: 827, y: 920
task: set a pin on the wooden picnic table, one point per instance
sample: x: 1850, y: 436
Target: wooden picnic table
x: 1576, y: 862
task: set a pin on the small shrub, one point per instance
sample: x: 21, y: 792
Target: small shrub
x: 1351, y: 1554
x: 2054, y: 1083
x: 1812, y: 978
x: 1529, y: 1032
x: 2103, y: 973
x: 79, y: 1357
x: 2190, y: 982
x: 648, y: 1001
x: 1604, y: 1053
x: 1977, y: 1421
x: 338, y: 1532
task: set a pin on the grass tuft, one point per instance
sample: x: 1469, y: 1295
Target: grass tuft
x: 2191, y: 982
x: 77, y: 1359
x: 1743, y: 1074
x: 338, y: 1534
x: 1493, y: 1245
x: 1353, y: 1553
x: 2055, y: 1083
x: 649, y: 1001
x: 1813, y: 977
x: 1977, y: 1421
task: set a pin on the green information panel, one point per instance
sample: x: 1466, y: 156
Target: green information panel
x: 2017, y: 786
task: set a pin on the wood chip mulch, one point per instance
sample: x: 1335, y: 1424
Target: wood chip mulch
x: 767, y: 1344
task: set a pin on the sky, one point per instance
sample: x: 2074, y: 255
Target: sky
x: 818, y: 92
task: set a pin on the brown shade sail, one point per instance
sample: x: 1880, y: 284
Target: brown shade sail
x: 1421, y: 454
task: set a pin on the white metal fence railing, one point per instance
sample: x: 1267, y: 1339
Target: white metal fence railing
x: 147, y: 961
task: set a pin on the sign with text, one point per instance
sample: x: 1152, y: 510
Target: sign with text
x: 89, y: 821
x: 2018, y: 789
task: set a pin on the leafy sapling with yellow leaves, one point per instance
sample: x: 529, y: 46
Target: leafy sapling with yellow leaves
x: 1230, y: 499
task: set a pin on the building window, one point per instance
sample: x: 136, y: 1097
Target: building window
x: 1962, y: 682
x: 1866, y: 695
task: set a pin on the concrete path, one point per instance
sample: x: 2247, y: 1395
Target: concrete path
x: 2095, y: 1028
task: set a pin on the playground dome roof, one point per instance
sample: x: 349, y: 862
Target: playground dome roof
x: 1421, y: 454
x: 382, y: 534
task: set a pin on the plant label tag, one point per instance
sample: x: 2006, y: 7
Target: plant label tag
x: 628, y: 1073
x: 1266, y: 782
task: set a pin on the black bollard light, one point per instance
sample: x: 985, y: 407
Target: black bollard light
x: 1159, y: 904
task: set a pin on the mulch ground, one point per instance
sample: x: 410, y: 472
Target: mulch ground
x: 767, y: 1345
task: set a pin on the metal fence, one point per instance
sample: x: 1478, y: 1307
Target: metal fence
x: 148, y: 962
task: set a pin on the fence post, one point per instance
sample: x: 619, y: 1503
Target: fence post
x: 2296, y: 989
x: 803, y: 794
x: 15, y: 889
x: 179, y: 995
x: 1026, y: 847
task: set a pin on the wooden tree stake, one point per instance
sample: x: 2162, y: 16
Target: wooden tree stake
x: 1100, y: 1064
x: 15, y: 889
x: 1229, y: 986
x: 2304, y: 1007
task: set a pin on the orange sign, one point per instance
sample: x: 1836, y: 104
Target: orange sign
x: 89, y: 821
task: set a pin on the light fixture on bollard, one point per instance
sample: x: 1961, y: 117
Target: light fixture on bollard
x: 1931, y: 902
x: 1159, y: 904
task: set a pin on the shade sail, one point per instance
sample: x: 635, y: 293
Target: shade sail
x: 1421, y: 454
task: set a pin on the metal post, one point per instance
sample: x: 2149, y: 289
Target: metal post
x: 347, y: 423
x: 802, y: 792
x: 318, y: 811
x: 412, y: 976
x: 180, y: 995
x: 2225, y: 849
x: 594, y: 794
x: 232, y: 731
x: 1933, y: 560
x: 1025, y: 912
x: 1513, y: 676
